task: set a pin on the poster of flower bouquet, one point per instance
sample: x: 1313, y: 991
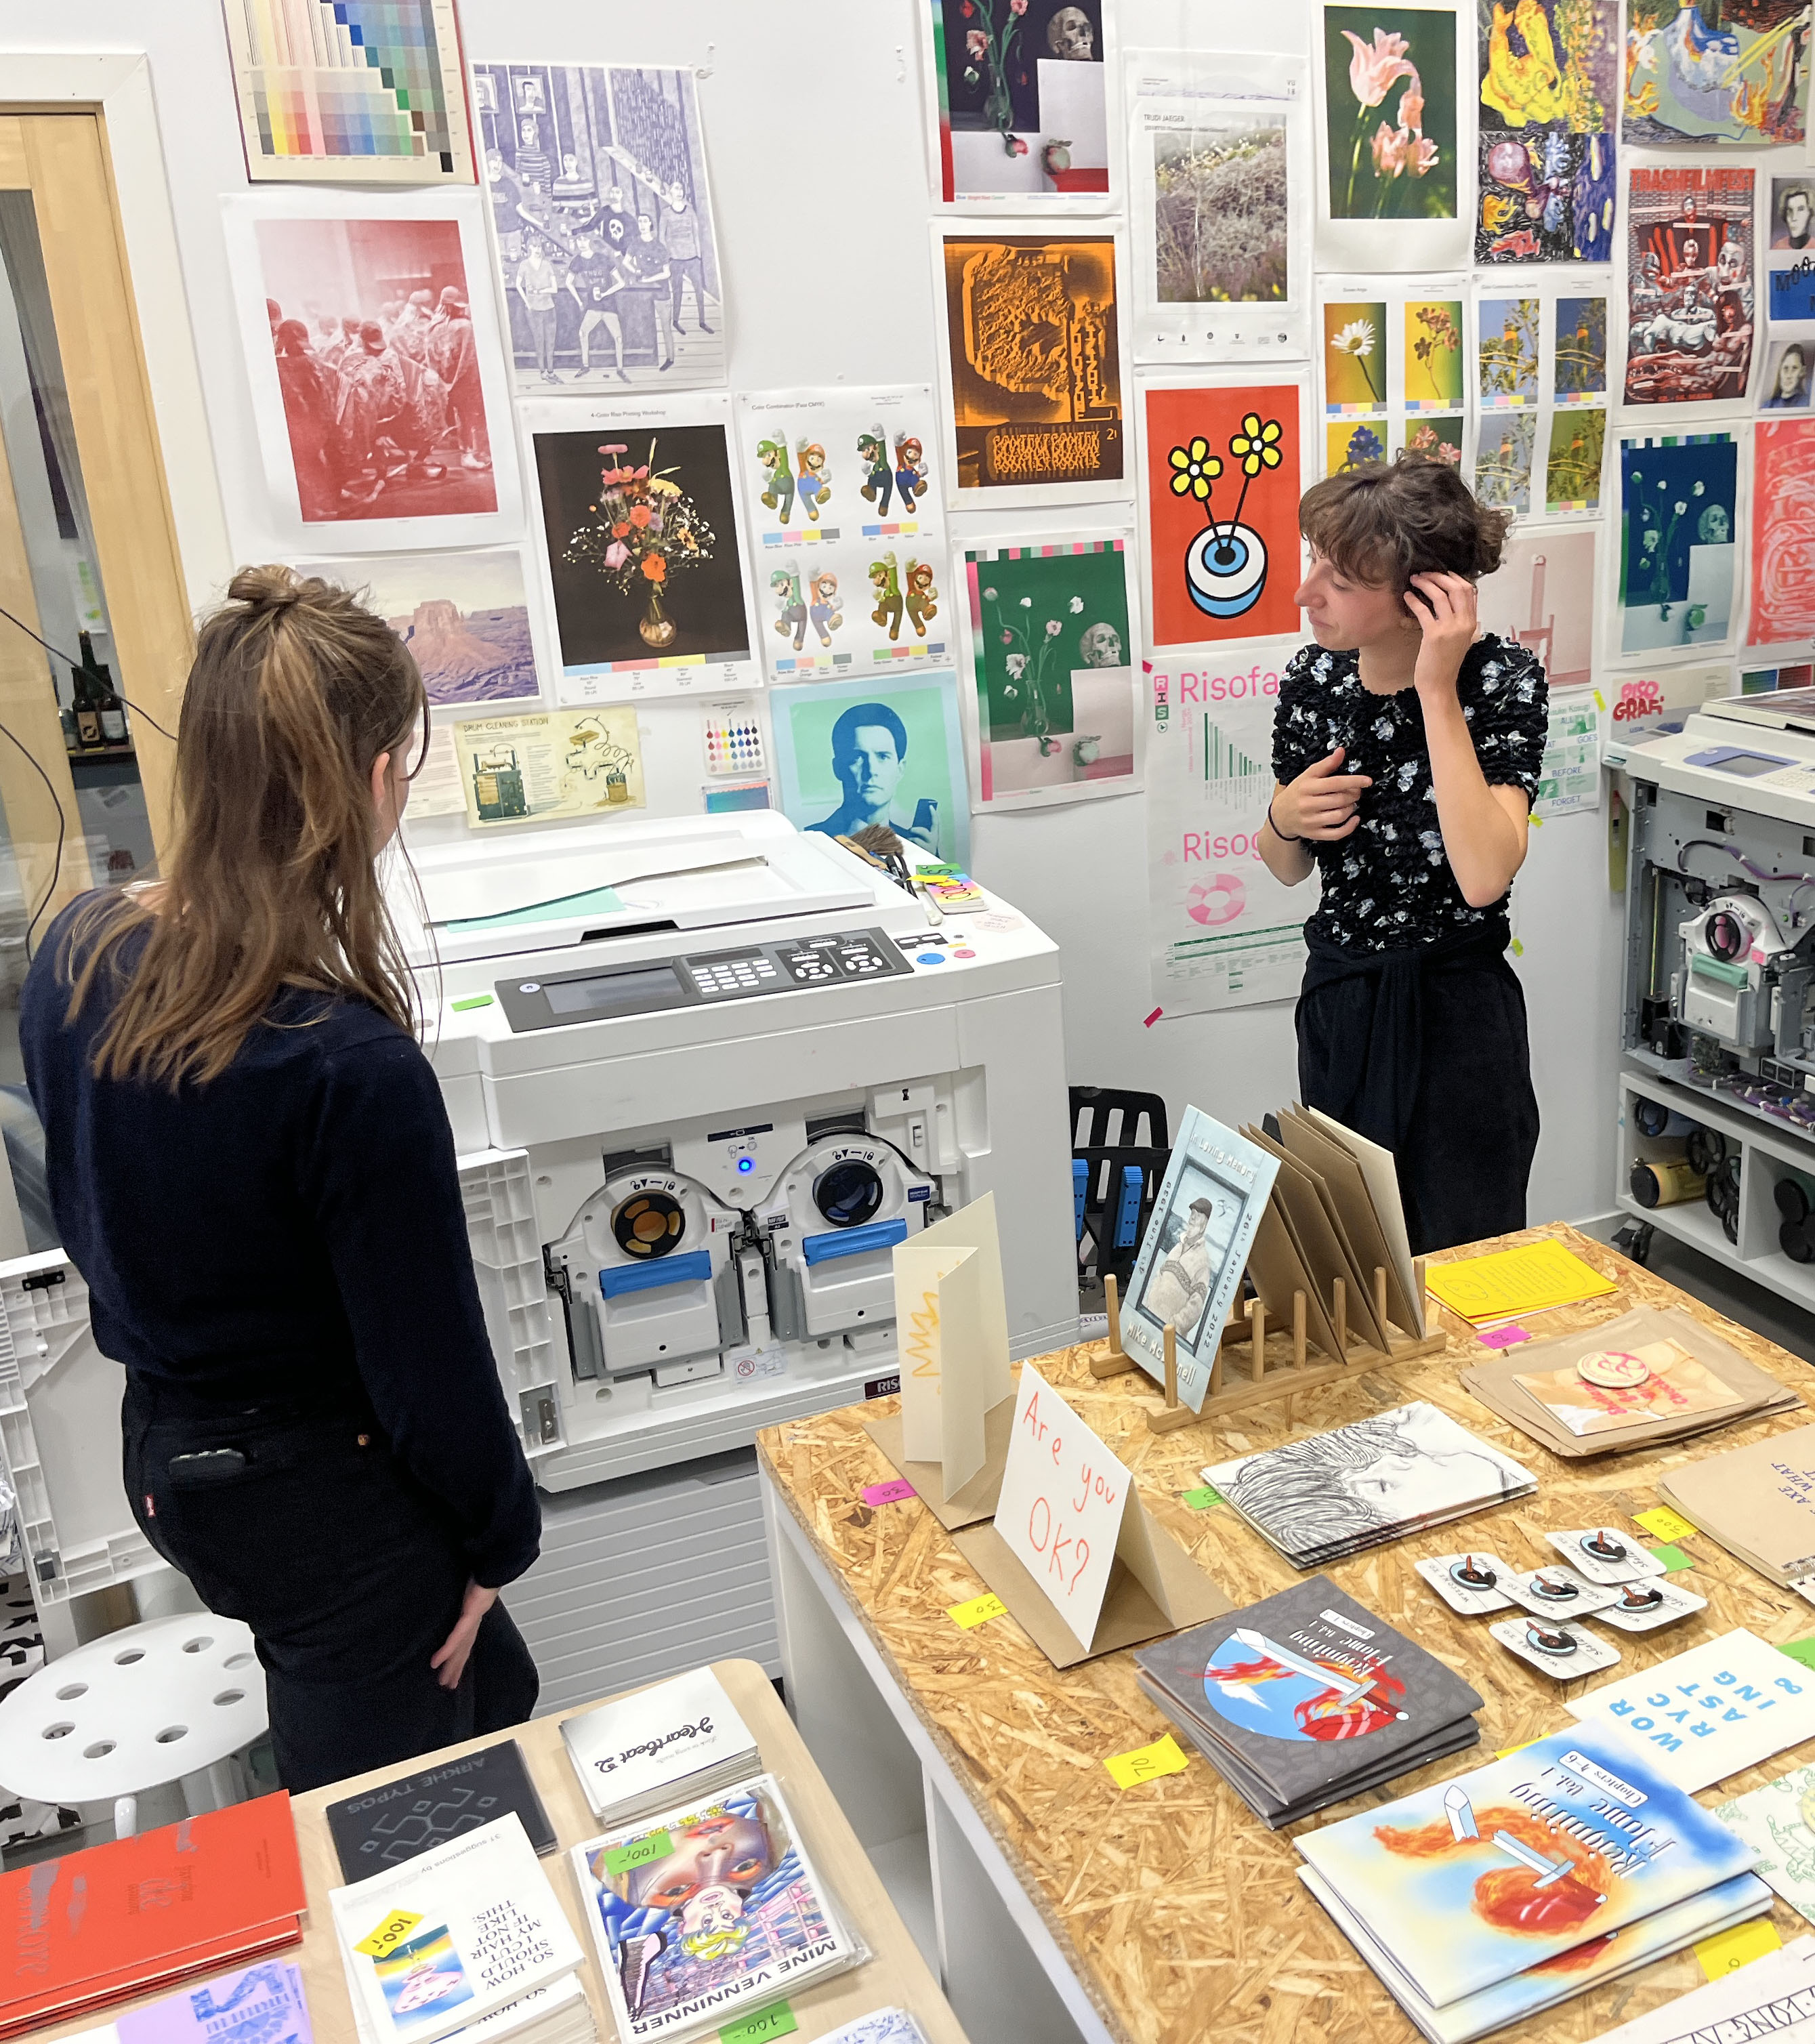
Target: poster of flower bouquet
x: 640, y: 531
x: 1390, y: 113
x: 1677, y: 559
x: 1019, y: 98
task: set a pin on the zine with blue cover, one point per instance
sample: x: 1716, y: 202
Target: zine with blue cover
x: 1196, y: 1247
x: 1473, y: 1880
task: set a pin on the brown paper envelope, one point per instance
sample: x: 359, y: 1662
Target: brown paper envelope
x: 1354, y: 1206
x: 1129, y: 1616
x: 1509, y: 1402
x: 1320, y: 1242
x: 1760, y: 1497
x: 1278, y: 1270
x: 974, y: 1501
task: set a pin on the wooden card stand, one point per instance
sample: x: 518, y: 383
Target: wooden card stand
x: 1114, y: 1361
x: 1163, y: 1419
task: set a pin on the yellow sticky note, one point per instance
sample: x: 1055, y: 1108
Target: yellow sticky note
x: 383, y: 1938
x: 977, y: 1612
x: 1728, y: 1950
x: 1598, y: 704
x: 1146, y: 1762
x: 1664, y: 1524
x: 1518, y: 948
x: 1536, y: 821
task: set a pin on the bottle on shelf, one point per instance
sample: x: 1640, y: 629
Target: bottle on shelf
x: 99, y: 715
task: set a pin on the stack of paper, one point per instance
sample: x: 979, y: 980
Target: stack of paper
x: 1651, y: 1376
x: 1772, y: 1997
x: 263, y: 2005
x: 1757, y: 1501
x: 1481, y: 1900
x: 707, y: 1912
x: 1306, y: 1698
x: 1530, y: 1279
x: 881, y: 2025
x: 675, y: 1743
x: 399, y: 1820
x: 1333, y: 1495
x: 467, y: 1937
x: 95, y: 1926
x: 1778, y: 1821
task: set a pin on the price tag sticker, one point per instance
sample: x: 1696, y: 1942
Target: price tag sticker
x: 1728, y: 1950
x: 777, y: 2020
x: 640, y: 1852
x: 888, y: 1493
x: 1661, y: 1523
x: 1802, y: 1650
x: 1146, y: 1763
x: 380, y: 1942
x: 1673, y: 1559
x: 977, y: 1612
x: 1205, y: 1498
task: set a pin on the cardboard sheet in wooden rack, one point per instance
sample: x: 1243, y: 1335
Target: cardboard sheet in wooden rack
x: 950, y: 1438
x: 1071, y: 1552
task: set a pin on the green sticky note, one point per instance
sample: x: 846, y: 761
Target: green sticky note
x: 1673, y: 1559
x: 652, y: 1845
x: 776, y: 2020
x: 474, y: 1000
x: 1203, y: 1501
x: 1801, y: 1650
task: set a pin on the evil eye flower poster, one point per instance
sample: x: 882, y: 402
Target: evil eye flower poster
x: 1390, y: 96
x: 1678, y: 524
x: 846, y: 515
x: 1016, y: 93
x: 1219, y: 172
x: 1225, y: 466
x: 1050, y: 651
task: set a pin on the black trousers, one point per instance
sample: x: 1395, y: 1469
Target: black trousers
x: 348, y: 1573
x: 1425, y: 1053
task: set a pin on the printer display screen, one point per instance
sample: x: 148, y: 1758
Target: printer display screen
x: 1750, y: 764
x: 618, y: 992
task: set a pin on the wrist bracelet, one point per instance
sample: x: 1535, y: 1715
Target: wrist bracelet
x: 1277, y: 832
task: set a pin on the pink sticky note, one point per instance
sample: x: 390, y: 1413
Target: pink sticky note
x: 888, y: 1493
x: 1502, y: 1337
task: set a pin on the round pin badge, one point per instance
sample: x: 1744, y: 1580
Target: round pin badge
x: 1547, y: 1642
x: 1471, y: 1574
x: 1556, y: 1590
x: 1641, y: 1596
x: 1612, y: 1368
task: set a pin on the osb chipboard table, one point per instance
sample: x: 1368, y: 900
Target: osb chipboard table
x: 1167, y: 1913
x: 895, y: 1975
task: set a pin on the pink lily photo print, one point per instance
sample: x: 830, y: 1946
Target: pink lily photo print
x: 1390, y: 111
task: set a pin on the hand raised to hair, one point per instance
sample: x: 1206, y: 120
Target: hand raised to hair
x: 1319, y: 804
x: 1446, y: 608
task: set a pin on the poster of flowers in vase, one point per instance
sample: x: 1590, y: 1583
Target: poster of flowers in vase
x: 1050, y: 651
x: 1017, y: 103
x: 1679, y: 524
x: 1390, y: 100
x: 1225, y: 464
x: 642, y: 539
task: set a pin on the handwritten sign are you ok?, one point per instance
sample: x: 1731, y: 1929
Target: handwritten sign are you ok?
x: 1063, y: 1499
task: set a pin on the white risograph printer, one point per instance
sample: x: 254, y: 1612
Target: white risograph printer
x: 703, y: 1074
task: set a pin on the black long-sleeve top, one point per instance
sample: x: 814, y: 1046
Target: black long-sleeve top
x: 292, y: 1230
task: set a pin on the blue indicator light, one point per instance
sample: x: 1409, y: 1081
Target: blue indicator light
x: 746, y: 1163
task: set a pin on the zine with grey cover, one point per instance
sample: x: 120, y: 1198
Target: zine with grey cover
x: 1308, y: 1686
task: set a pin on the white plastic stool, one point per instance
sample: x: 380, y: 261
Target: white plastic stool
x: 132, y: 1711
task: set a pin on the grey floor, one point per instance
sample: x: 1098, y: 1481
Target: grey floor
x: 1764, y: 1311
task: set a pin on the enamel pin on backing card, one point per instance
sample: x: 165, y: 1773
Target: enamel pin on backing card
x: 1468, y: 1583
x: 1559, y: 1650
x: 1604, y: 1556
x: 1646, y: 1606
x: 1554, y: 1592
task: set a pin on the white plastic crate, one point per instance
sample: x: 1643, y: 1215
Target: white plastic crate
x: 59, y: 1430
x: 507, y: 1260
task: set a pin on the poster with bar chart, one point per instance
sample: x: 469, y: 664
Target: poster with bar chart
x: 351, y: 91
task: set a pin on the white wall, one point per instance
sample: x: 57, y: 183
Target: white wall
x: 819, y: 179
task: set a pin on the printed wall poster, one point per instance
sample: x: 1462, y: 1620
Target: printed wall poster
x: 549, y: 767
x: 1389, y: 90
x: 1690, y: 309
x: 1663, y: 698
x: 1790, y: 356
x: 1542, y: 597
x: 639, y: 532
x: 1395, y: 364
x: 1783, y: 537
x: 1719, y: 73
x: 1018, y: 94
x: 1222, y: 932
x: 1549, y: 75
x: 1030, y: 348
x: 846, y: 513
x: 877, y: 749
x: 1766, y: 681
x: 378, y: 98
x: 602, y: 224
x: 1678, y: 562
x: 1541, y: 364
x: 464, y: 616
x: 378, y: 386
x: 1050, y: 652
x: 1219, y: 172
x: 1225, y: 467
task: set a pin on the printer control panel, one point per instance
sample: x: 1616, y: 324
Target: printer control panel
x: 694, y: 979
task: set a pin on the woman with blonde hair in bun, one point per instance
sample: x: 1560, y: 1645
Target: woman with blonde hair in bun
x: 251, y: 1168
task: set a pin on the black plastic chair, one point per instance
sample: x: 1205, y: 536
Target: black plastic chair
x: 1115, y: 1174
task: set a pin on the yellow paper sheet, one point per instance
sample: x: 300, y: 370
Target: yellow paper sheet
x: 1146, y: 1762
x: 1728, y: 1950
x: 1529, y: 1279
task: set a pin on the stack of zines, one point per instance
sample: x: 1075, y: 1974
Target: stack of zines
x: 1757, y: 1501
x: 467, y: 1940
x: 263, y: 2004
x: 1481, y: 1900
x: 1306, y: 1698
x: 1333, y: 1495
x: 675, y: 1743
x: 95, y: 1926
